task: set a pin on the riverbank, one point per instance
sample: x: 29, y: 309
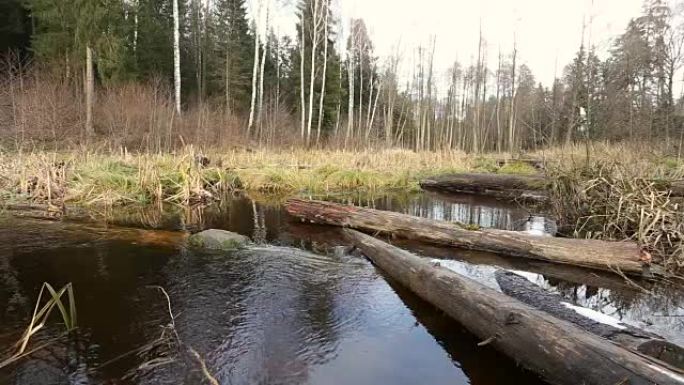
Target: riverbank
x: 191, y: 176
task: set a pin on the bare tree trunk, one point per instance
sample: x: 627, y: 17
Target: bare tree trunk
x: 350, y: 73
x: 370, y: 100
x: 499, y: 133
x: 325, y: 70
x: 89, y: 91
x: 261, y: 76
x: 375, y: 106
x: 476, y: 96
x: 361, y: 56
x: 429, y: 107
x: 255, y: 71
x: 176, y: 56
x: 511, y: 117
x: 302, y: 52
x: 314, y: 45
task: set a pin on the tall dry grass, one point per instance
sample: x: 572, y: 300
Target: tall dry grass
x: 618, y: 192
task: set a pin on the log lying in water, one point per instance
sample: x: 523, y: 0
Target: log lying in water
x: 609, y: 256
x: 501, y: 186
x: 574, y: 275
x: 557, y: 350
x: 628, y: 336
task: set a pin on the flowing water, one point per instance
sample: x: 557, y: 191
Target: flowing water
x: 297, y: 309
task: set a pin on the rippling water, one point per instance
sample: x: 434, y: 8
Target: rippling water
x: 295, y: 310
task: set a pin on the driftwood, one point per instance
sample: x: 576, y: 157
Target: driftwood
x: 609, y: 256
x: 500, y: 186
x: 557, y: 350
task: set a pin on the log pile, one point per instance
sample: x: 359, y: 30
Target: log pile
x: 559, y: 351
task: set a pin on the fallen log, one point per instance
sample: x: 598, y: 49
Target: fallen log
x: 628, y: 336
x: 623, y: 257
x: 560, y: 352
x: 500, y: 186
x: 553, y: 271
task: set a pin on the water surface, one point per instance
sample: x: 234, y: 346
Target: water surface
x: 294, y: 310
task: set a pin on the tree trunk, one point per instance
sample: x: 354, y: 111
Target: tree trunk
x: 89, y: 92
x: 261, y: 76
x: 255, y: 72
x: 518, y: 287
x: 560, y: 352
x: 176, y: 56
x: 511, y: 116
x: 350, y: 75
x: 608, y: 256
x: 325, y: 72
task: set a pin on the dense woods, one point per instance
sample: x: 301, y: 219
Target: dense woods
x: 236, y: 77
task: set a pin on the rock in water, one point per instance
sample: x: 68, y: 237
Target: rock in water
x: 218, y: 240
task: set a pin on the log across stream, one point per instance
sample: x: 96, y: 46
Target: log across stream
x: 621, y: 257
x: 559, y: 351
x: 501, y: 186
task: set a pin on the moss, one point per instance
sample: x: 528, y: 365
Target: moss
x: 231, y: 244
x: 196, y: 241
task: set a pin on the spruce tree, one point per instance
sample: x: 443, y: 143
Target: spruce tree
x: 234, y: 44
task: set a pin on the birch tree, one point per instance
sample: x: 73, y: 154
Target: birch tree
x: 176, y: 57
x: 255, y: 70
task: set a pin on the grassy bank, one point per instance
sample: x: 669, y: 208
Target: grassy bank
x: 115, y: 179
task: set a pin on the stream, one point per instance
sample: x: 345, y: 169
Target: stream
x: 296, y: 309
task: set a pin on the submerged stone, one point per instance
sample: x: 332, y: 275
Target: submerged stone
x: 218, y: 240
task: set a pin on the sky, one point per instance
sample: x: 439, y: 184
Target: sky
x: 547, y: 32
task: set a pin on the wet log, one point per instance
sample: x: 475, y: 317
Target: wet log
x: 571, y: 275
x: 621, y: 257
x: 500, y: 186
x: 560, y: 352
x: 628, y: 336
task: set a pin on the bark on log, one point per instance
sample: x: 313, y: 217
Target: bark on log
x: 500, y: 186
x: 557, y: 350
x: 628, y: 336
x: 609, y: 256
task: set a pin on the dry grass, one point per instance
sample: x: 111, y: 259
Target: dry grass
x: 618, y: 194
x: 107, y: 179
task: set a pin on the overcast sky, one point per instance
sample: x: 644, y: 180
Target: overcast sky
x: 547, y: 31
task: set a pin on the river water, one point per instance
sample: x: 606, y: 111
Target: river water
x: 297, y: 309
